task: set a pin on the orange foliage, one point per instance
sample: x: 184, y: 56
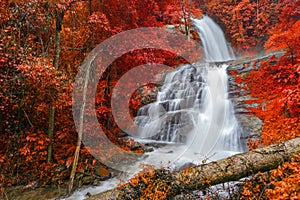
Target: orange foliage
x: 277, y: 89
x: 286, y: 39
x: 286, y: 181
x: 276, y: 86
x: 246, y: 22
x: 148, y: 184
x: 30, y: 84
x: 280, y: 183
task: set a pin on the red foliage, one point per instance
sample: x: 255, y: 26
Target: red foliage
x: 30, y: 84
x: 276, y: 86
x: 286, y: 39
x: 246, y: 22
x: 285, y: 181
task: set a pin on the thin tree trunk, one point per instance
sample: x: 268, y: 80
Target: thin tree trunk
x: 229, y: 169
x: 59, y: 19
x: 80, y: 129
x: 50, y: 132
x: 79, y: 139
x: 90, y: 7
x: 57, y: 47
x: 186, y: 21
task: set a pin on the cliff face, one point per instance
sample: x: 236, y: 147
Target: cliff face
x: 237, y: 70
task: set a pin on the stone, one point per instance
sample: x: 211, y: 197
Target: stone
x: 151, y: 149
x: 102, y: 172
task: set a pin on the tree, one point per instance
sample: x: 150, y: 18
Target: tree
x: 246, y: 23
x: 286, y: 34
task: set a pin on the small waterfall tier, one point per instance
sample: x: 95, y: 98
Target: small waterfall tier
x: 213, y: 41
x: 174, y: 113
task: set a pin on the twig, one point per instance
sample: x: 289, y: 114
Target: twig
x: 28, y: 119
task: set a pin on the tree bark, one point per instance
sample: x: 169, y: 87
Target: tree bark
x: 80, y: 130
x: 186, y: 19
x: 229, y: 169
x: 59, y: 19
x: 50, y: 133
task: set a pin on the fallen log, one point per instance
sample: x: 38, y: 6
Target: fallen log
x: 163, y: 184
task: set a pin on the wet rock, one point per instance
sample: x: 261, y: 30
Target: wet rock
x: 184, y: 166
x: 88, y: 195
x: 151, y: 149
x: 150, y: 95
x: 252, y: 126
x: 155, y: 145
x: 187, y: 165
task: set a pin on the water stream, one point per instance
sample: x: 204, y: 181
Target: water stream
x: 192, y: 119
x: 213, y: 41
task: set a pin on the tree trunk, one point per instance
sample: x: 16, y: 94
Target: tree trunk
x: 80, y: 130
x: 57, y: 48
x: 59, y: 19
x: 50, y: 132
x: 196, y: 178
x: 186, y: 20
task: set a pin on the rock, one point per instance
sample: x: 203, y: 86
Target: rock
x: 151, y: 149
x: 136, y: 146
x: 155, y: 145
x: 251, y: 125
x: 88, y: 195
x: 133, y: 145
x: 184, y: 166
x: 102, y: 172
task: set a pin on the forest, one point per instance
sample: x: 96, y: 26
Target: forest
x: 44, y: 43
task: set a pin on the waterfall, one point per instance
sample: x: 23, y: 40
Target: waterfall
x: 213, y: 40
x: 192, y: 106
x: 192, y: 116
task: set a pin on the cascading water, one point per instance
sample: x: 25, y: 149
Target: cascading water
x: 213, y: 40
x: 192, y: 106
x: 192, y: 116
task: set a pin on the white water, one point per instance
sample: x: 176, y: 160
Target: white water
x: 213, y: 40
x: 192, y: 107
x: 192, y: 116
x: 193, y: 110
